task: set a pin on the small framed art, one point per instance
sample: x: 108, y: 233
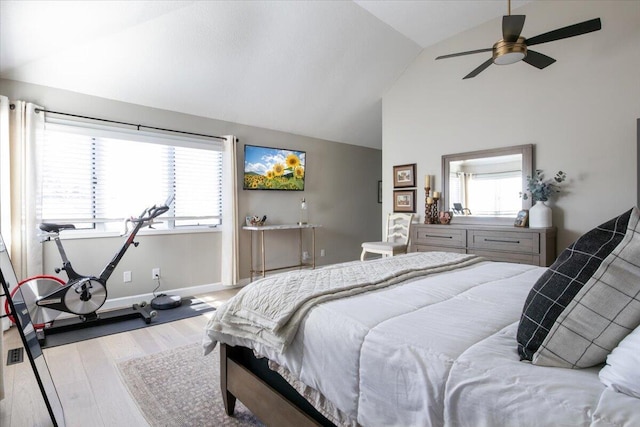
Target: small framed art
x: 404, y: 201
x: 522, y: 219
x: 404, y: 176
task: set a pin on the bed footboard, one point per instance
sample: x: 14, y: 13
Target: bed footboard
x: 267, y: 395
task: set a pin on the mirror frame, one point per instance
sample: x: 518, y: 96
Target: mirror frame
x: 19, y: 310
x: 527, y: 170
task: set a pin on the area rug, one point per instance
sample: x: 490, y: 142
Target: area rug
x: 181, y: 387
x: 190, y: 307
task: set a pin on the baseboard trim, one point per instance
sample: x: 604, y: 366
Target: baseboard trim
x: 182, y: 292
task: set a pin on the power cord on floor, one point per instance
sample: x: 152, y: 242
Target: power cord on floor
x: 163, y: 301
x: 157, y: 287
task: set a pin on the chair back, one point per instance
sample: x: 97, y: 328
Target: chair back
x: 399, y: 227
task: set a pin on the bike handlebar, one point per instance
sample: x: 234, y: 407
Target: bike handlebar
x: 154, y: 211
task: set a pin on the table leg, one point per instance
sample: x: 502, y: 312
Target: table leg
x: 300, y: 246
x: 313, y: 246
x: 263, y: 256
x: 251, y: 255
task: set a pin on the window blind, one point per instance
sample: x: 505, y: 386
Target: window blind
x: 95, y: 178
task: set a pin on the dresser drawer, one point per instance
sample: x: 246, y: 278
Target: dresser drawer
x: 440, y: 236
x: 506, y: 241
x: 518, y: 258
x: 427, y: 248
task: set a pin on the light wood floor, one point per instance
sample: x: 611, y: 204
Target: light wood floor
x: 86, y: 376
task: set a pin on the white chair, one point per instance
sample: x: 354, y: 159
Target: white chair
x: 397, y: 240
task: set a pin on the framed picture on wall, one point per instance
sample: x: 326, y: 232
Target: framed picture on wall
x: 267, y: 168
x: 404, y: 201
x: 404, y: 176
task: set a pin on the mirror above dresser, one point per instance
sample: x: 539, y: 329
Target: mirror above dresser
x: 483, y: 187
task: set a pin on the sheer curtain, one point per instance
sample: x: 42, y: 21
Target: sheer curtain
x: 458, y: 188
x: 4, y: 209
x: 25, y: 128
x: 5, y: 171
x: 467, y: 179
x: 5, y: 206
x: 229, y: 256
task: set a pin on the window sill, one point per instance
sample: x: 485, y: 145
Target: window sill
x: 81, y: 234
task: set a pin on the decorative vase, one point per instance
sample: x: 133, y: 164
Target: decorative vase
x: 540, y: 215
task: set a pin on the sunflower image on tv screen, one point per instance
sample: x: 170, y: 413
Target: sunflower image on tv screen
x: 267, y: 168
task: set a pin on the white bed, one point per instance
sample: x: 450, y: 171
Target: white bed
x: 432, y: 351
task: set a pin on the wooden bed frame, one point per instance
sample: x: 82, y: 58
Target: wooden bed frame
x: 267, y: 395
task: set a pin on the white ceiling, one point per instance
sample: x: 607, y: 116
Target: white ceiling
x: 313, y: 68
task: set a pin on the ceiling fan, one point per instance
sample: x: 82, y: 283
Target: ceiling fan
x: 513, y: 48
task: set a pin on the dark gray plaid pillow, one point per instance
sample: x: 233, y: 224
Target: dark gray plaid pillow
x: 560, y: 284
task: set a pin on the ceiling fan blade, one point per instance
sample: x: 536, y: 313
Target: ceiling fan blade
x: 480, y: 69
x: 538, y: 60
x: 512, y: 27
x: 470, y: 52
x: 566, y: 32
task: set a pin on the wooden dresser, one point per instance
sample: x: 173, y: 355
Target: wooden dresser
x: 535, y: 246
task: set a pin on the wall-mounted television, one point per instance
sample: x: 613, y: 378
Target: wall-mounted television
x: 267, y: 168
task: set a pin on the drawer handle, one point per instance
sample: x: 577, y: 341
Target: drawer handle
x: 438, y: 237
x: 502, y: 241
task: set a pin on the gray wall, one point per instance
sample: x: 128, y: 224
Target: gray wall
x: 580, y: 112
x: 341, y: 190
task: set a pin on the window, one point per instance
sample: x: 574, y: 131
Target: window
x: 95, y: 179
x: 486, y: 193
x: 491, y: 193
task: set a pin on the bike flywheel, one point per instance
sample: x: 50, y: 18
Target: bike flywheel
x: 85, y: 296
x: 36, y: 288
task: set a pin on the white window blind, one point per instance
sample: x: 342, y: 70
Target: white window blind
x: 193, y: 168
x: 95, y: 182
x: 68, y: 179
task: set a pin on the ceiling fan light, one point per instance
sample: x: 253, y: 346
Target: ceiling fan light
x: 505, y: 53
x: 508, y: 58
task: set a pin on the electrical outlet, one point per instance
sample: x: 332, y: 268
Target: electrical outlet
x: 126, y: 277
x: 155, y: 273
x: 321, y: 252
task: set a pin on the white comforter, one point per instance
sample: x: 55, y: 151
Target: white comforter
x: 270, y: 310
x: 489, y: 386
x: 436, y: 351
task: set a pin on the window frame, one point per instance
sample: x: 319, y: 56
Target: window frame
x: 87, y: 129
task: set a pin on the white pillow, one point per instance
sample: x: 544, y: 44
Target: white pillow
x: 621, y: 372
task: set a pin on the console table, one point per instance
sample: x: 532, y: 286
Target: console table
x: 535, y: 246
x: 260, y: 229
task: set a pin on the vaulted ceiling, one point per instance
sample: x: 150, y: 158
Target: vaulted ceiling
x: 313, y: 68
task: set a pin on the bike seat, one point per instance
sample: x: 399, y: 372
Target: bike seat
x: 55, y: 228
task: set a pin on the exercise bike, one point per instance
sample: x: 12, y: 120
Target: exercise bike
x: 46, y: 297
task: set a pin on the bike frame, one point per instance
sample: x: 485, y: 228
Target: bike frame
x: 82, y: 284
x: 111, y: 266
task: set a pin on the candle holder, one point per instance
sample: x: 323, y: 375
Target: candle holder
x: 434, y: 212
x: 427, y: 209
x: 430, y: 209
